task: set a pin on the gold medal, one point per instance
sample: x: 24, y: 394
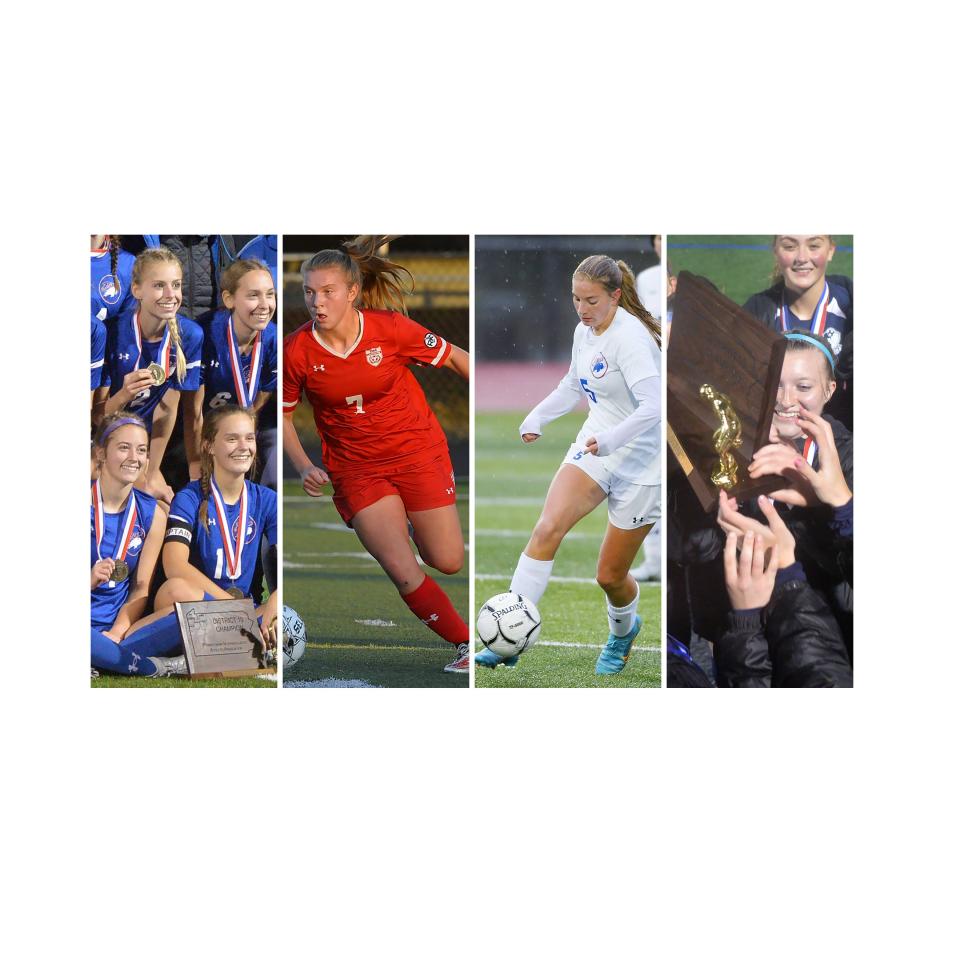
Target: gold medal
x: 156, y: 371
x: 120, y: 572
x: 236, y: 593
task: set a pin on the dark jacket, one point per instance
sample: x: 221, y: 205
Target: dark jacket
x: 794, y: 641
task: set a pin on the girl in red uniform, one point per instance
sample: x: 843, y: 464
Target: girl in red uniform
x: 383, y: 449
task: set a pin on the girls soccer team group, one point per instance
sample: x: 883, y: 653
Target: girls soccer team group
x: 214, y: 536
x: 386, y: 455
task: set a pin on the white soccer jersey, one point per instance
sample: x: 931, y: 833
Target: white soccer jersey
x: 605, y: 367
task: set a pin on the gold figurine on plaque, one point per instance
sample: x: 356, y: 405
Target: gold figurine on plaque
x: 725, y: 437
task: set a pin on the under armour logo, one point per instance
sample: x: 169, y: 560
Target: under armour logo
x: 133, y: 666
x: 638, y: 519
x: 449, y: 490
x: 123, y: 356
x: 214, y: 363
x: 321, y: 368
x: 430, y: 619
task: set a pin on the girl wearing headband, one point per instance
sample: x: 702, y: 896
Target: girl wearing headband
x: 126, y: 530
x: 616, y: 456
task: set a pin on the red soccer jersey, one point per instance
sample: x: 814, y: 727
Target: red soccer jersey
x: 369, y: 409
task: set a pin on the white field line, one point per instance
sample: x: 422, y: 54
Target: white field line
x: 331, y: 682
x: 506, y: 576
x: 590, y: 646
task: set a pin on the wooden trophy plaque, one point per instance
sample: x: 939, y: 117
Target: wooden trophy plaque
x: 723, y: 371
x: 221, y: 638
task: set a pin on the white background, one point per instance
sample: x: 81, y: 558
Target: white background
x: 486, y: 823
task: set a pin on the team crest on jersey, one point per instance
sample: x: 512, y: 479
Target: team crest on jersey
x: 598, y: 365
x: 374, y: 356
x: 832, y: 336
x: 109, y: 289
x: 430, y: 340
x: 251, y: 529
x: 136, y: 540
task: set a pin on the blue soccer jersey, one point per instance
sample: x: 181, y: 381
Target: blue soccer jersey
x: 111, y: 293
x: 123, y: 355
x: 209, y: 552
x: 219, y: 374
x: 106, y: 600
x: 98, y: 344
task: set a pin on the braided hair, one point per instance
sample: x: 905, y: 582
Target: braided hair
x: 211, y: 427
x: 146, y: 259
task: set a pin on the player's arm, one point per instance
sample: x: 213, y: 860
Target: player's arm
x: 645, y: 417
x: 261, y: 400
x: 458, y: 362
x: 135, y: 382
x: 136, y: 605
x: 312, y: 476
x: 192, y: 429
x: 176, y: 558
x: 164, y: 418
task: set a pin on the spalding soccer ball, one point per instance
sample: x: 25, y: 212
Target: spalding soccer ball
x: 508, y: 624
x: 294, y: 638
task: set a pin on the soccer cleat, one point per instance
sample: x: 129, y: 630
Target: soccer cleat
x: 487, y: 658
x: 613, y: 657
x: 94, y: 673
x: 169, y: 666
x: 462, y: 663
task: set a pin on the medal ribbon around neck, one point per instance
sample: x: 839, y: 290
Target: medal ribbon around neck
x: 246, y: 390
x: 233, y: 549
x: 126, y: 528
x: 164, y: 345
x: 809, y: 450
x: 818, y: 322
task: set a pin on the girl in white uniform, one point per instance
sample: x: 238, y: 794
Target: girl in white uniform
x: 616, y: 456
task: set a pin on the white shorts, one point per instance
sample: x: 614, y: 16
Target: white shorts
x: 629, y: 505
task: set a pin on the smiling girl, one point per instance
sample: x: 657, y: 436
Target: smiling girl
x: 383, y: 449
x: 152, y: 355
x: 616, y: 456
x: 240, y: 354
x: 803, y: 297
x: 217, y: 523
x: 126, y: 531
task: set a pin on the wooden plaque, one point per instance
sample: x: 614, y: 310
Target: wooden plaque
x: 713, y: 341
x: 221, y: 638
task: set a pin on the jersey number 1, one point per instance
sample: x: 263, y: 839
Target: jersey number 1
x: 357, y: 398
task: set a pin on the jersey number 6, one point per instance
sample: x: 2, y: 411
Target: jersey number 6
x: 357, y: 398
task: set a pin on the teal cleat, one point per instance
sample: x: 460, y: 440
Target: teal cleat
x: 613, y: 658
x: 487, y: 658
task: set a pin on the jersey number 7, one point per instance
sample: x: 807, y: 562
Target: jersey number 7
x: 357, y: 398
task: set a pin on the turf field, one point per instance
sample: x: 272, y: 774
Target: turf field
x: 111, y: 681
x: 359, y: 632
x: 511, y: 482
x: 741, y: 264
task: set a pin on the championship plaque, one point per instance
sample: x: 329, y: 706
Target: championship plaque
x: 723, y: 371
x: 221, y: 638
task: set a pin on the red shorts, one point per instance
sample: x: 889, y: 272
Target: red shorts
x: 421, y: 486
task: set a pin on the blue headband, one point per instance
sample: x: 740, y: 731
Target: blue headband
x: 808, y: 339
x: 122, y: 422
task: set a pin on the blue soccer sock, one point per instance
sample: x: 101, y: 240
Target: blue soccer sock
x: 113, y: 657
x: 158, y: 639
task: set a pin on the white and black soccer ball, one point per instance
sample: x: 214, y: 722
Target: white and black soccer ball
x: 294, y: 637
x: 508, y: 624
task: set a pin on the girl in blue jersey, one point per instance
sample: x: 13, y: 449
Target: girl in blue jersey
x: 216, y: 523
x: 240, y: 353
x: 111, y: 271
x: 152, y: 356
x: 126, y: 533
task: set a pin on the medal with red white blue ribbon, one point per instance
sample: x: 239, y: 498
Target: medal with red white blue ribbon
x: 120, y: 570
x: 233, y: 549
x: 163, y: 355
x: 246, y: 389
x: 809, y: 450
x: 818, y: 322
